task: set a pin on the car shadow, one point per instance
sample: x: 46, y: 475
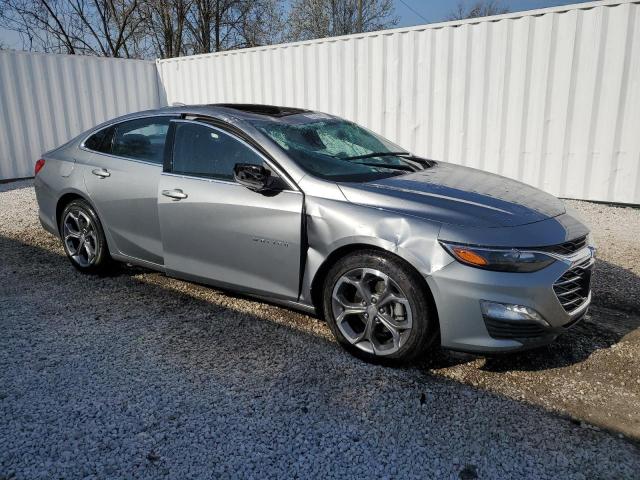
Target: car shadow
x: 124, y: 288
x: 210, y: 365
x: 612, y: 316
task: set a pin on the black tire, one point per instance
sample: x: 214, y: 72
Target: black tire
x: 101, y: 260
x: 423, y: 335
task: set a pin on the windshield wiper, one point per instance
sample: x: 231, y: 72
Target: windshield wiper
x: 408, y: 167
x: 391, y: 166
x: 374, y: 154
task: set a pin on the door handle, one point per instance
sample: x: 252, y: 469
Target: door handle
x: 101, y: 172
x: 176, y: 194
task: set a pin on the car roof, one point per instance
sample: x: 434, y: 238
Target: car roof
x: 233, y: 111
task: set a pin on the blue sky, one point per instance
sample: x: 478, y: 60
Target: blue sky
x: 438, y: 10
x: 409, y: 12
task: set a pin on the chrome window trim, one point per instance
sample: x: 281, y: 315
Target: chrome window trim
x: 274, y: 166
x: 215, y: 180
x: 144, y: 162
x: 112, y: 124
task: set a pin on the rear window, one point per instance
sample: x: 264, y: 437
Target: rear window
x: 101, y: 140
x: 141, y: 139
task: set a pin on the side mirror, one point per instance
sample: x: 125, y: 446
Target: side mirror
x: 254, y: 177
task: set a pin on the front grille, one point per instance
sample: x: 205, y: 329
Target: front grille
x: 572, y: 288
x: 567, y: 248
x: 516, y: 330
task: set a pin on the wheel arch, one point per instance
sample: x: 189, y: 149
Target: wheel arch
x: 67, y: 198
x: 320, y: 275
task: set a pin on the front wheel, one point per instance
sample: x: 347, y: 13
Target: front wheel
x: 379, y: 308
x: 83, y: 237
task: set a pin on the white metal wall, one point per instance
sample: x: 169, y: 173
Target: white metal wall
x: 550, y: 97
x: 46, y: 100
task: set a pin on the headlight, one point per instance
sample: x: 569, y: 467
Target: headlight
x: 501, y: 260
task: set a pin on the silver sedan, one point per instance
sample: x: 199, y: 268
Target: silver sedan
x: 399, y: 253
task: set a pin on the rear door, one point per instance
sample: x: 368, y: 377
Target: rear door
x: 122, y: 180
x: 214, y: 230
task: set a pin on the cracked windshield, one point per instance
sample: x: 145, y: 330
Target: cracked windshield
x: 336, y: 149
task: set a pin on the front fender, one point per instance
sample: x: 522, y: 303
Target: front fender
x: 332, y: 225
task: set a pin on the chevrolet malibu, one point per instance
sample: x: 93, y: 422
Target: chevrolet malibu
x: 400, y: 254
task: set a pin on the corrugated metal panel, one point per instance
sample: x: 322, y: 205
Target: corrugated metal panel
x: 550, y: 97
x: 46, y: 100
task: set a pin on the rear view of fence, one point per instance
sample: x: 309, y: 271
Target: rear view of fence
x: 550, y: 97
x: 46, y: 100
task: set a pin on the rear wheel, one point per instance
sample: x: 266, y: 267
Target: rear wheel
x: 83, y: 237
x: 378, y: 308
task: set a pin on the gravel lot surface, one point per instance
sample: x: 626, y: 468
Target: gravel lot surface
x: 139, y: 376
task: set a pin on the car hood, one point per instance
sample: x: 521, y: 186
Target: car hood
x: 457, y: 195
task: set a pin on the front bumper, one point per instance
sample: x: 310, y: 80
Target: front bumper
x: 459, y: 289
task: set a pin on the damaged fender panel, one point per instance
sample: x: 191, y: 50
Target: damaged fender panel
x: 333, y: 224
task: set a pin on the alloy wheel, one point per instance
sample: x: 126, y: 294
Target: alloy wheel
x: 80, y: 237
x: 371, y: 311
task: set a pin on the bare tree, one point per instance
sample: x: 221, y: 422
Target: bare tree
x: 143, y: 28
x: 98, y: 27
x: 484, y: 8
x: 165, y: 24
x: 310, y: 19
x: 206, y: 23
x: 216, y: 25
x: 262, y: 22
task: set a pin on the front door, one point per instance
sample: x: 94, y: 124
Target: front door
x: 215, y: 230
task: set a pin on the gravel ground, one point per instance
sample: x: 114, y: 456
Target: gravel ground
x: 139, y: 376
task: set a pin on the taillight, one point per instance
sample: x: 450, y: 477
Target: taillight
x: 39, y: 165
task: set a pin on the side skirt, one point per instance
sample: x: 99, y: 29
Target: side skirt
x: 294, y: 305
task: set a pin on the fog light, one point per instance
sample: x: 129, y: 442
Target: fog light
x: 507, y: 312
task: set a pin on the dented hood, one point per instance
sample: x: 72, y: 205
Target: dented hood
x: 457, y: 195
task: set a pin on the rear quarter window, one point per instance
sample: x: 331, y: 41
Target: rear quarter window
x: 101, y: 140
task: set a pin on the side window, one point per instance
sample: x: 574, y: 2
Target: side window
x: 141, y: 139
x: 204, y: 152
x: 100, y: 141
